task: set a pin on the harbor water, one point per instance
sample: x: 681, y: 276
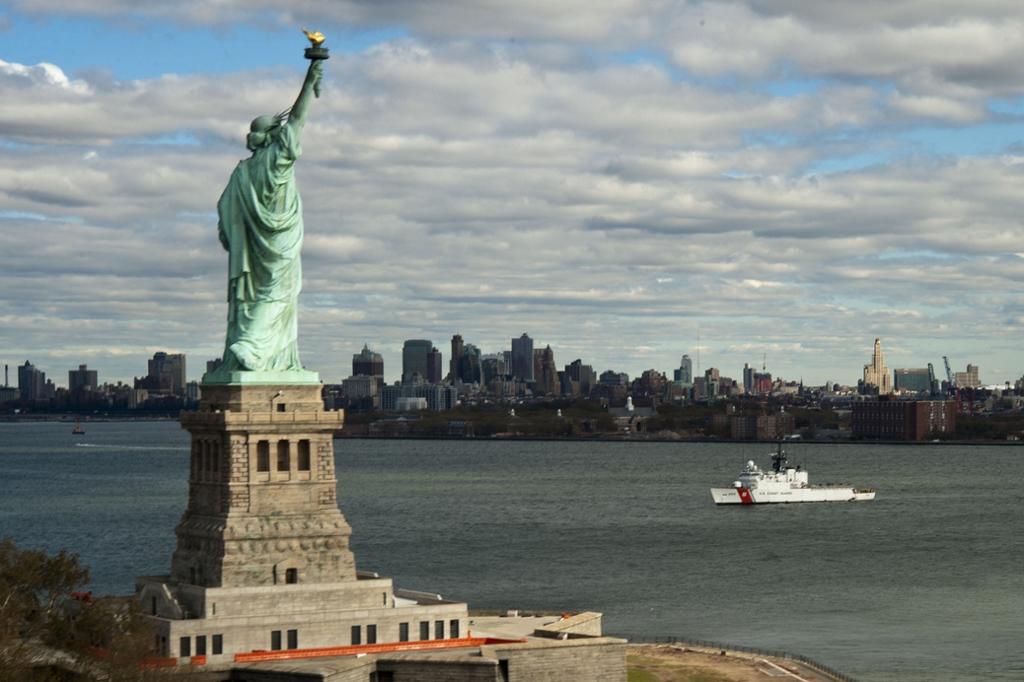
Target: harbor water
x: 924, y: 583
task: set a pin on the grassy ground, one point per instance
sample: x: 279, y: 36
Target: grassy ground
x: 653, y: 663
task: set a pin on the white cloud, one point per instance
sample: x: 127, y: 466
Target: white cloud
x: 47, y: 75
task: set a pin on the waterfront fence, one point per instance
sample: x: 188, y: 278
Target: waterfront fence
x: 721, y: 646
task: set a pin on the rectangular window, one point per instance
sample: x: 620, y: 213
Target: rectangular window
x: 275, y: 640
x: 371, y: 634
x: 293, y: 639
x: 424, y: 631
x: 357, y: 635
x: 453, y: 628
x: 281, y: 407
x: 200, y: 645
x: 282, y: 456
x: 304, y: 455
x: 263, y: 455
x: 185, y: 647
x: 438, y: 629
x: 291, y: 576
x: 403, y: 632
x: 218, y: 645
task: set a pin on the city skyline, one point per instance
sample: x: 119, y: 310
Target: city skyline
x: 626, y: 183
x: 394, y: 371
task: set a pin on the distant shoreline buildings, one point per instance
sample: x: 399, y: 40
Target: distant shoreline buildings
x: 521, y: 373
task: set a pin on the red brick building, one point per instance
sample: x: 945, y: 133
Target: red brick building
x: 887, y: 419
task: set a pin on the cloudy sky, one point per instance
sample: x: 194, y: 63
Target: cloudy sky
x: 624, y: 180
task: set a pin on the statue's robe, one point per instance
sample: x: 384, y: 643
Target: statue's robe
x: 260, y: 225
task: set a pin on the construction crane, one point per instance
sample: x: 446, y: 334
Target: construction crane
x: 953, y: 389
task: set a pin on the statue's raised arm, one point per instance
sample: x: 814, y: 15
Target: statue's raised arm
x: 310, y: 89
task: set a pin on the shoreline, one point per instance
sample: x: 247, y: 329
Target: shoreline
x: 71, y: 418
x: 706, y: 441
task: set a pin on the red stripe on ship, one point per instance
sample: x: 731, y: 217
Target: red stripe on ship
x: 745, y: 496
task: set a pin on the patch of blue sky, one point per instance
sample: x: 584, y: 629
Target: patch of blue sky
x: 196, y: 215
x: 180, y: 138
x: 793, y: 87
x: 640, y: 56
x: 914, y: 254
x: 145, y: 49
x: 768, y: 138
x: 974, y: 140
x: 37, y: 217
x: 846, y: 164
x: 1008, y: 107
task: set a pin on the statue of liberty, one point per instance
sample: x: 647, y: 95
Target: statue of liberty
x: 260, y: 225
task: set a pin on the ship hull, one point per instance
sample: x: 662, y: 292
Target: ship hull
x: 748, y: 496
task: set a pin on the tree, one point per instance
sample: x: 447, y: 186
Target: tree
x: 51, y: 630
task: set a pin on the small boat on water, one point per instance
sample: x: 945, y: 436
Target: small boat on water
x: 784, y: 484
x: 78, y: 430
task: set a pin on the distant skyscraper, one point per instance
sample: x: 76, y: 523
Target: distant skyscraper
x: 610, y: 377
x: 434, y: 372
x: 913, y: 380
x: 367, y: 363
x: 748, y: 379
x: 494, y: 366
x: 31, y: 382
x: 470, y: 368
x: 545, y: 373
x: 166, y: 374
x: 522, y: 358
x: 968, y: 379
x: 584, y: 376
x: 877, y: 374
x: 82, y: 379
x: 684, y: 375
x: 414, y: 359
x: 454, y: 363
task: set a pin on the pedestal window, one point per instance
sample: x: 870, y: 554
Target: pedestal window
x: 263, y: 455
x: 283, y: 456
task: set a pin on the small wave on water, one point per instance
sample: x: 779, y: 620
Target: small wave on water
x: 163, y: 448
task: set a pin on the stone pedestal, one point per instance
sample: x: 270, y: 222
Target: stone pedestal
x: 262, y: 506
x: 262, y: 559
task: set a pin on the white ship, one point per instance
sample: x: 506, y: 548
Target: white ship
x: 784, y: 484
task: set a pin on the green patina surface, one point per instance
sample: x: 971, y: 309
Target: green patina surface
x: 260, y: 226
x: 255, y: 378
